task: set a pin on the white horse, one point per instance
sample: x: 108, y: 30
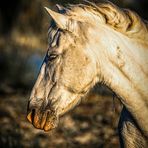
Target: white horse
x: 90, y: 43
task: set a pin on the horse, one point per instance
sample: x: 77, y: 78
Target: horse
x: 94, y: 43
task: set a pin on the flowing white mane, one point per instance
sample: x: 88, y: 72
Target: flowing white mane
x: 121, y: 20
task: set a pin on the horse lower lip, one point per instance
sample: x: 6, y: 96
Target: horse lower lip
x: 50, y: 124
x: 48, y: 127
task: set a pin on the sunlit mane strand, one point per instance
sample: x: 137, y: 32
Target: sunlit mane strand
x: 121, y: 20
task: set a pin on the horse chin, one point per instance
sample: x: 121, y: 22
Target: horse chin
x: 43, y: 120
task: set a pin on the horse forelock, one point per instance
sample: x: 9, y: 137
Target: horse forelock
x: 52, y: 34
x: 122, y: 20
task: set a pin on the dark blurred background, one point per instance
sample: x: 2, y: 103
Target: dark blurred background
x: 23, y: 43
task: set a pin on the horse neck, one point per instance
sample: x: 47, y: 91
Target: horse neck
x: 120, y: 59
x: 122, y: 70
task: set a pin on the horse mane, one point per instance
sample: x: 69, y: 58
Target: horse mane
x: 122, y: 20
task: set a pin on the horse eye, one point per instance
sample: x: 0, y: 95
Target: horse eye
x: 52, y: 57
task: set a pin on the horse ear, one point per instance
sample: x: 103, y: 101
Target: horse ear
x: 60, y: 19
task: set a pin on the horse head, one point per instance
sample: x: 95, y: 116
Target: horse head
x: 66, y: 74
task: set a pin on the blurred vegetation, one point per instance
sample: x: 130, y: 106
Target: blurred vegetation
x: 23, y: 43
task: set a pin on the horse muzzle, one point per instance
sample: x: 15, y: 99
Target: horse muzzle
x: 42, y: 119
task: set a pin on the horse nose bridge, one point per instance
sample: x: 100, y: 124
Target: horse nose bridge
x: 39, y: 92
x: 40, y: 83
x: 35, y: 102
x: 42, y: 90
x: 40, y: 97
x: 38, y: 103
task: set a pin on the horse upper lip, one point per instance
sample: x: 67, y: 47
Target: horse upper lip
x: 29, y: 117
